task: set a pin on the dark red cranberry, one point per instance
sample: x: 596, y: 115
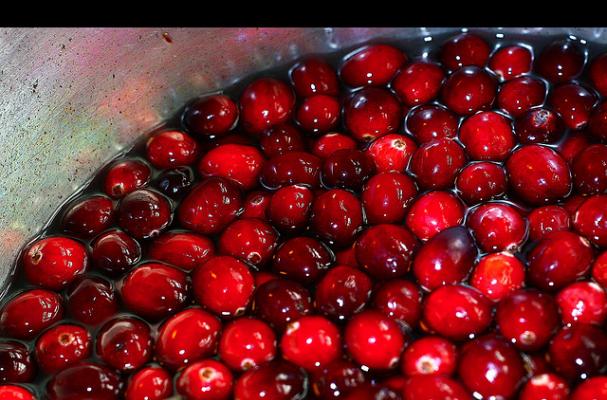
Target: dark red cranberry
x: 430, y: 122
x: 264, y: 103
x: 582, y: 303
x: 560, y: 61
x: 171, y: 149
x: 338, y: 379
x: 487, y: 136
x: 347, y: 169
x: 430, y: 387
x: 210, y: 206
x: 400, y: 300
x: 546, y: 386
x: 481, y: 181
x: 538, y: 174
x: 497, y: 227
x: 386, y: 197
x: 590, y: 219
x: 374, y: 340
x: 125, y: 176
x: 262, y: 277
x: 90, y: 216
x: 347, y: 256
x: 154, y: 290
x: 429, y: 355
x: 434, y: 212
x: 558, y: 259
x: 445, y: 259
x: 149, y: 383
x: 281, y: 301
x: 16, y: 364
x: 210, y: 116
x: 62, y: 346
x: 239, y: 163
x: 91, y: 300
x: 539, y: 125
x: 418, y: 83
x: 342, y: 292
x: 184, y: 250
x: 337, y: 216
x: 293, y: 168
x: 457, y: 312
x: 491, y: 367
x: 468, y: 90
x: 115, y: 252
x: 318, y: 113
x: 278, y: 380
x: 536, y: 363
x: 543, y: 220
x: 598, y: 73
x: 251, y: 240
x: 54, y: 262
x: 573, y: 145
x: 246, y: 343
x: 281, y: 139
x: 589, y: 170
x: 599, y: 269
x: 574, y: 103
x: 597, y: 125
x: 593, y: 388
x: 464, y: 49
x: 144, y: 214
x: 86, y: 380
x: 187, y: 336
x: 373, y: 65
x: 527, y: 318
x: 391, y: 152
x: 498, y: 274
x: 520, y: 94
x: 175, y: 182
x: 302, y: 259
x: 205, y: 380
x: 579, y: 351
x: 436, y: 164
x: 256, y: 204
x: 29, y: 313
x: 329, y: 143
x: 511, y: 61
x: 371, y: 113
x: 290, y: 207
x: 14, y: 392
x: 314, y: 76
x: 124, y: 343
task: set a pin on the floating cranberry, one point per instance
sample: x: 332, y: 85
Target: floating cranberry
x: 342, y: 292
x: 464, y: 49
x: 90, y: 216
x: 371, y: 113
x: 487, y: 136
x: 498, y: 274
x: 171, y: 149
x: 481, y: 181
x: 289, y: 208
x: 239, y: 163
x: 373, y: 65
x: 430, y: 387
x: 84, y: 381
x: 347, y: 169
x: 543, y: 220
x: 497, y: 227
x: 314, y: 76
x: 281, y: 139
x: 435, y: 164
x: 123, y: 177
x: 149, y: 383
x: 184, y: 250
x: 256, y: 204
x: 593, y: 388
x: 302, y: 259
x: 429, y: 355
x: 391, y: 152
x: 590, y: 219
x: 115, y: 252
x: 574, y: 103
x: 205, y: 380
x: 124, y: 343
x: 539, y: 125
x: 318, y: 113
x: 400, y: 300
x: 418, y: 83
x: 246, y: 343
x: 91, y: 300
x: 573, y: 145
x: 175, y: 182
x: 468, y: 90
x: 579, y: 351
x: 311, y: 342
x: 250, y: 240
x: 430, y: 122
x: 386, y: 197
x: 338, y: 379
x: 329, y: 143
x: 264, y: 103
x: 589, y: 170
x: 211, y: 116
x: 337, y: 216
x: 545, y: 386
x: 62, y: 346
x: 29, y: 313
x: 16, y: 364
x: 511, y: 61
x: 597, y: 125
x: 434, y: 212
x: 144, y: 214
x: 293, y: 168
x: 520, y: 94
x: 560, y: 61
x: 582, y: 303
x: 14, y: 392
x: 281, y: 301
x: 278, y: 380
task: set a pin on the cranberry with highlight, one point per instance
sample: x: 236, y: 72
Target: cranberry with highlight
x: 431, y: 387
x: 175, y: 182
x: 281, y: 139
x: 429, y: 355
x: 293, y: 168
x: 539, y: 125
x: 318, y: 113
x: 125, y: 176
x: 487, y: 136
x: 251, y: 240
x: 464, y: 49
x: 386, y: 197
x: 546, y: 386
x: 87, y: 380
x: 314, y: 76
x: 171, y: 149
x: 281, y: 301
x: 597, y: 125
x: 520, y: 94
x: 210, y: 116
x: 430, y: 122
x: 240, y: 163
x: 246, y: 343
x: 115, y: 252
x: 289, y: 208
x: 434, y: 212
x: 373, y: 65
x: 278, y: 380
x: 391, y: 152
x: 311, y: 342
x: 498, y: 274
x: 435, y: 164
x: 579, y: 351
x: 543, y: 220
x: 593, y: 388
x: 347, y: 169
x: 590, y: 219
x: 90, y: 216
x: 574, y: 103
x: 481, y: 181
x: 342, y: 292
x: 184, y: 250
x: 91, y: 300
x: 149, y: 383
x: 16, y: 363
x: 497, y: 227
x: 337, y: 379
x: 29, y: 313
x: 400, y: 300
x: 418, y: 83
x: 205, y: 380
x: 371, y: 113
x: 302, y: 259
x: 589, y: 170
x: 256, y: 204
x: 144, y: 214
x: 124, y: 343
x: 468, y: 90
x: 62, y: 346
x: 264, y: 103
x: 329, y: 143
x: 14, y: 392
x: 511, y: 61
x: 560, y: 61
x: 582, y: 303
x: 337, y: 216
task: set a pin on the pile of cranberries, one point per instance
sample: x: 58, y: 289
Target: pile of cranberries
x: 393, y: 228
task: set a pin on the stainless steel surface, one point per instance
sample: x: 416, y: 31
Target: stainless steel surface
x: 72, y: 98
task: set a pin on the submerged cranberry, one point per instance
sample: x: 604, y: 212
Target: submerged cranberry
x: 302, y: 259
x: 312, y: 342
x: 481, y: 181
x: 90, y: 216
x: 256, y: 204
x: 593, y: 388
x: 560, y: 61
x: 124, y: 343
x: 574, y: 103
x: 430, y: 122
x: 430, y: 387
x: 520, y: 94
x: 290, y: 207
x: 62, y: 346
x: 347, y: 169
x: 84, y: 381
x: 329, y: 143
x: 582, y: 302
x: 498, y: 274
x: 314, y: 76
x: 545, y: 386
x: 211, y: 115
x: 386, y: 197
x: 318, y: 113
x: 149, y: 383
x: 338, y: 379
x: 468, y: 90
x: 91, y: 300
x: 487, y: 136
x: 497, y: 227
x: 251, y: 240
x: 292, y: 168
x: 464, y: 49
x: 579, y: 351
x: 391, y: 152
x: 435, y: 164
x: 373, y: 65
x: 400, y: 300
x: 29, y: 313
x: 544, y: 220
x: 246, y: 343
x: 115, y: 252
x: 264, y: 103
x: 371, y: 113
x: 281, y: 301
x: 590, y: 219
x: 16, y: 364
x: 337, y: 216
x: 14, y: 392
x: 589, y: 170
x: 205, y: 380
x: 278, y: 380
x: 144, y: 214
x: 539, y: 125
x: 430, y: 355
x: 125, y: 176
x: 240, y: 163
x: 175, y: 182
x: 434, y: 212
x: 511, y: 61
x: 342, y: 292
x: 281, y: 139
x: 418, y: 83
x: 171, y: 149
x: 184, y: 250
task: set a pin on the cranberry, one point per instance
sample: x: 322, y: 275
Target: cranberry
x: 278, y: 380
x: 430, y: 387
x: 342, y: 292
x: 418, y: 83
x: 250, y: 240
x: 589, y: 170
x: 210, y: 116
x: 16, y: 364
x: 511, y: 61
x: 434, y: 212
x: 579, y: 351
x: 386, y: 197
x: 590, y: 219
x: 373, y: 65
x: 520, y: 94
x: 62, y: 346
x: 429, y: 355
x: 281, y: 301
x: 574, y: 103
x: 264, y: 103
x: 318, y: 113
x: 545, y: 386
x: 491, y: 367
x: 293, y: 168
x: 464, y: 49
x: 289, y: 208
x: 539, y: 125
x: 457, y: 312
x: 338, y: 379
x: 329, y: 143
x: 445, y: 259
x: 391, y: 152
x: 314, y: 76
x: 487, y: 136
x: 184, y: 250
x: 115, y: 252
x: 543, y: 220
x: 29, y: 313
x: 371, y: 113
x: 246, y: 343
x: 400, y: 300
x: 84, y: 381
x: 302, y: 259
x: 240, y: 163
x: 124, y: 343
x: 187, y: 336
x: 205, y: 380
x: 256, y: 204
x: 125, y: 176
x: 281, y: 139
x: 430, y: 122
x: 593, y: 388
x: 582, y: 302
x: 481, y: 181
x: 347, y: 169
x: 598, y: 73
x: 54, y: 262
x: 599, y: 269
x: 468, y: 90
x: 537, y: 174
x: 436, y: 163
x: 90, y: 216
x: 374, y: 340
x: 337, y: 216
x: 311, y: 342
x: 91, y: 300
x: 210, y: 206
x: 154, y: 290
x: 497, y: 226
x: 560, y: 61
x: 175, y: 182
x: 347, y: 256
x: 498, y: 274
x: 171, y: 149
x: 149, y: 383
x: 527, y: 318
x: 597, y: 125
x: 14, y: 392
x: 144, y: 214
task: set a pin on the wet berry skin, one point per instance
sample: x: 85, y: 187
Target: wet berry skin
x: 589, y: 219
x: 264, y: 103
x: 400, y: 300
x: 347, y: 169
x: 511, y: 61
x: 330, y: 142
x: 497, y: 227
x: 487, y: 136
x: 175, y: 182
x: 539, y: 125
x: 544, y: 220
x: 468, y: 90
x: 125, y: 176
x: 124, y: 343
x: 62, y: 346
x: 246, y: 343
x: 481, y: 181
x: 16, y: 363
x: 371, y: 113
x: 281, y: 301
x: 464, y: 49
x: 302, y: 259
x: 545, y: 386
x: 115, y: 252
x: 29, y: 313
x: 205, y: 380
x: 430, y: 355
x: 435, y: 164
x: 582, y: 303
x: 373, y: 65
x: 337, y: 379
x: 291, y: 168
x: 337, y: 216
x: 318, y: 114
x: 90, y: 216
x: 342, y: 291
x: 418, y: 83
x: 579, y: 351
x: 574, y: 103
x: 91, y: 300
x: 314, y: 76
x: 210, y: 116
x: 185, y: 250
x: 434, y: 212
x: 520, y: 94
x: 593, y: 388
x: 279, y: 380
x: 560, y: 61
x: 86, y: 380
x: 386, y: 197
x: 171, y: 149
x: 430, y: 387
x: 14, y: 392
x: 144, y: 214
x: 498, y: 274
x: 589, y: 170
x: 391, y: 152
x: 289, y: 208
x: 250, y: 240
x: 430, y: 122
x: 240, y: 163
x: 149, y: 383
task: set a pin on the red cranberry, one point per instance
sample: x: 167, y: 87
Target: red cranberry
x: 281, y: 301
x: 264, y: 103
x: 520, y: 94
x: 240, y: 163
x: 90, y: 216
x: 246, y: 343
x: 302, y: 259
x: 496, y: 275
x: 434, y: 212
x: 347, y: 169
x: 373, y: 65
x: 54, y: 262
x: 589, y: 170
x: 256, y: 204
x: 115, y: 252
x: 491, y: 367
x: 391, y: 152
x: 314, y: 76
x: 262, y: 277
x: 560, y: 61
x: 430, y: 387
x: 599, y: 269
x: 144, y: 214
x: 371, y: 113
x: 342, y: 292
x: 175, y: 182
x: 14, y: 392
x: 318, y: 113
x: 582, y: 302
x: 539, y: 125
x: 418, y: 83
x: 281, y: 139
x: 250, y: 240
x: 91, y: 300
x: 187, y: 336
x: 171, y: 149
x: 598, y: 73
x: 537, y: 174
x: 337, y: 216
x: 124, y: 343
x: 574, y: 103
x: 278, y: 380
x: 579, y: 351
x: 400, y: 300
x: 527, y: 318
x: 386, y: 197
x: 62, y: 346
x: 125, y: 176
x: 545, y: 386
x: 311, y: 342
x: 205, y: 380
x: 290, y: 207
x: 347, y: 256
x: 154, y: 290
x: 210, y: 206
x: 593, y: 388
x: 597, y: 125
x: 543, y: 220
x: 16, y: 364
x: 481, y: 181
x: 573, y: 202
x: 468, y: 90
x: 511, y: 61
x: 487, y: 136
x: 497, y: 227
x: 84, y: 381
x: 590, y: 219
x: 211, y: 116
x: 436, y: 163
x: 430, y: 122
x: 464, y: 49
x: 338, y: 379
x: 429, y: 355
x: 29, y: 313
x: 184, y: 250
x: 536, y: 363
x: 457, y: 312
x: 293, y: 168
x: 329, y: 143
x: 149, y: 383
x: 445, y: 259
x: 573, y: 145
